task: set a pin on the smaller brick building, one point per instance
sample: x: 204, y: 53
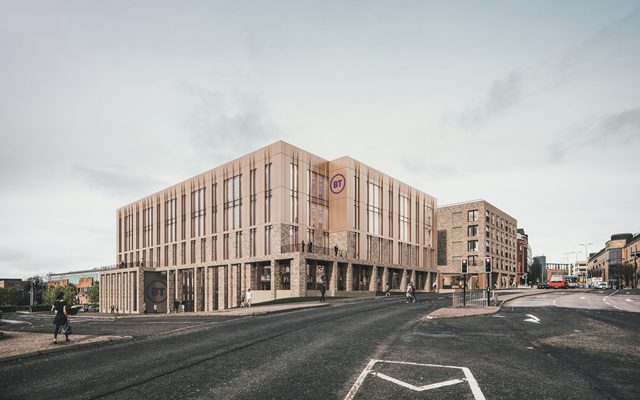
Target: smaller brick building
x: 474, y: 230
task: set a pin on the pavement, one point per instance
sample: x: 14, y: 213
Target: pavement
x: 15, y: 345
x: 25, y: 344
x: 503, y: 297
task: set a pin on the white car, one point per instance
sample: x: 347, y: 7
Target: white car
x: 601, y: 285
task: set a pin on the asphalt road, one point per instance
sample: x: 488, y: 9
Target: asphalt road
x: 353, y: 350
x: 309, y: 354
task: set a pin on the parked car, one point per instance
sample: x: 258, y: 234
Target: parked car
x: 601, y: 285
x: 91, y: 308
x: 544, y: 285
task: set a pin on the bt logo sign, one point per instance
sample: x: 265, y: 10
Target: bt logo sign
x: 338, y: 183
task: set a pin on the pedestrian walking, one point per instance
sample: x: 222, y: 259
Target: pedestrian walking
x: 176, y: 306
x: 61, y: 318
x: 249, y: 296
x: 182, y: 306
x: 335, y: 249
x: 387, y: 290
x: 113, y: 309
x: 155, y: 308
x: 409, y: 293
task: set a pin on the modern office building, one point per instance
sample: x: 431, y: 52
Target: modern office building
x: 279, y: 221
x: 475, y: 230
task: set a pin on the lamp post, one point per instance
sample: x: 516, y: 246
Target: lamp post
x: 635, y: 255
x: 574, y: 265
x: 586, y: 259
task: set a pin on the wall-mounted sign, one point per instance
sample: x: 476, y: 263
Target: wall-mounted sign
x: 157, y: 291
x: 337, y: 183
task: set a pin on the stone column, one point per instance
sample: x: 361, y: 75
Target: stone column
x: 274, y: 280
x: 403, y: 281
x: 373, y: 282
x: 248, y: 276
x: 429, y: 284
x: 413, y: 277
x: 333, y: 282
x: 197, y: 285
x: 298, y: 276
x: 385, y: 278
x: 349, y: 280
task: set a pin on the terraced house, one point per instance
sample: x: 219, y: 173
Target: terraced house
x: 279, y: 221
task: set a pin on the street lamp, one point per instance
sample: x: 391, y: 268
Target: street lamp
x: 574, y: 265
x: 635, y: 255
x: 586, y: 259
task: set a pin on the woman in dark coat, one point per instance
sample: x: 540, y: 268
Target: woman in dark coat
x: 60, y: 307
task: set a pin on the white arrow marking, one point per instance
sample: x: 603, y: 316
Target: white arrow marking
x: 532, y: 318
x: 418, y: 388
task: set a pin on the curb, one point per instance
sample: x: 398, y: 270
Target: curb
x: 494, y: 310
x: 61, y: 348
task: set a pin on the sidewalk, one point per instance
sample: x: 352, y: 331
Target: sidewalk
x: 451, y: 312
x: 15, y: 345
x: 23, y: 344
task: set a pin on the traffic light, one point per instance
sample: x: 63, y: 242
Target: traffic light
x: 487, y: 264
x: 463, y: 266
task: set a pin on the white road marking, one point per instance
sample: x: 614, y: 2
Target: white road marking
x: 418, y: 388
x: 532, y: 318
x: 473, y: 384
x: 555, y: 302
x: 16, y: 322
x: 582, y: 298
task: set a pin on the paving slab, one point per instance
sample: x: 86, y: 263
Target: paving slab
x: 21, y: 344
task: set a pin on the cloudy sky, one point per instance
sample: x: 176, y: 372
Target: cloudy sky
x: 531, y: 105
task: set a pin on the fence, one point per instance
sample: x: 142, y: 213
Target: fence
x: 474, y: 299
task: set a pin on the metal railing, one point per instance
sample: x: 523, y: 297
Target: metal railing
x: 474, y: 299
x: 130, y: 264
x: 313, y: 249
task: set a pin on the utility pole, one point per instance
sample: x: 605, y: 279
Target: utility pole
x: 586, y: 260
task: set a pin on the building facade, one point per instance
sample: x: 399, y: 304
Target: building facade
x: 525, y: 258
x: 475, y: 230
x: 83, y: 280
x: 279, y: 221
x: 615, y: 263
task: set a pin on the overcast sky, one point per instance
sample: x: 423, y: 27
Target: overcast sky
x: 533, y: 106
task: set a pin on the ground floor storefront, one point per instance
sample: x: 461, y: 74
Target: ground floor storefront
x: 223, y: 286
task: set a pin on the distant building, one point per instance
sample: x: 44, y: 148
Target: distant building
x: 525, y: 259
x: 557, y: 269
x: 608, y: 261
x: 11, y: 283
x: 83, y: 280
x: 475, y: 230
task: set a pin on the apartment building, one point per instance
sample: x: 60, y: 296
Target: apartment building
x: 475, y: 230
x: 525, y: 258
x: 279, y: 221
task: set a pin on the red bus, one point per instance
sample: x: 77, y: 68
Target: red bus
x: 557, y: 282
